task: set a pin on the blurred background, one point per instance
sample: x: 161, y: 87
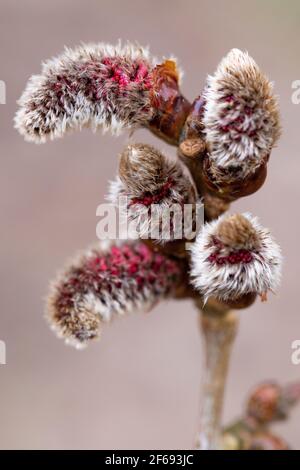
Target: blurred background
x: 138, y: 388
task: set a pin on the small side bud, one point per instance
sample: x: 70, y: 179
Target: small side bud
x: 272, y: 402
x: 264, y: 403
x: 192, y: 138
x: 171, y: 107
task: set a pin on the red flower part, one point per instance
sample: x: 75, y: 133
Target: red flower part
x: 147, y: 199
x: 234, y: 256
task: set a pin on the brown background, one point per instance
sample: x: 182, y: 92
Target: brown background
x: 138, y: 387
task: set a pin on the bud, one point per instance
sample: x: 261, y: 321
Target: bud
x: 234, y: 256
x: 241, y: 121
x: 272, y: 402
x: 264, y: 403
x: 157, y: 191
x: 171, y: 108
x: 105, y: 281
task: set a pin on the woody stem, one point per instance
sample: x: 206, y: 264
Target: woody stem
x: 218, y: 331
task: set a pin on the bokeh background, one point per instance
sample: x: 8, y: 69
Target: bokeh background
x: 139, y: 387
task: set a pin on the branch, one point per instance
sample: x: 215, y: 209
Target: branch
x: 218, y: 328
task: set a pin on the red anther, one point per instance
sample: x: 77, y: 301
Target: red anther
x: 156, y: 197
x: 229, y: 98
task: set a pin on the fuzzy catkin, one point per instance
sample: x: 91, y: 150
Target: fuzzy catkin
x: 233, y: 256
x: 94, y: 85
x: 158, y: 193
x: 241, y: 117
x: 105, y: 281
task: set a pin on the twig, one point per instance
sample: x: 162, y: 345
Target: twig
x: 218, y: 329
